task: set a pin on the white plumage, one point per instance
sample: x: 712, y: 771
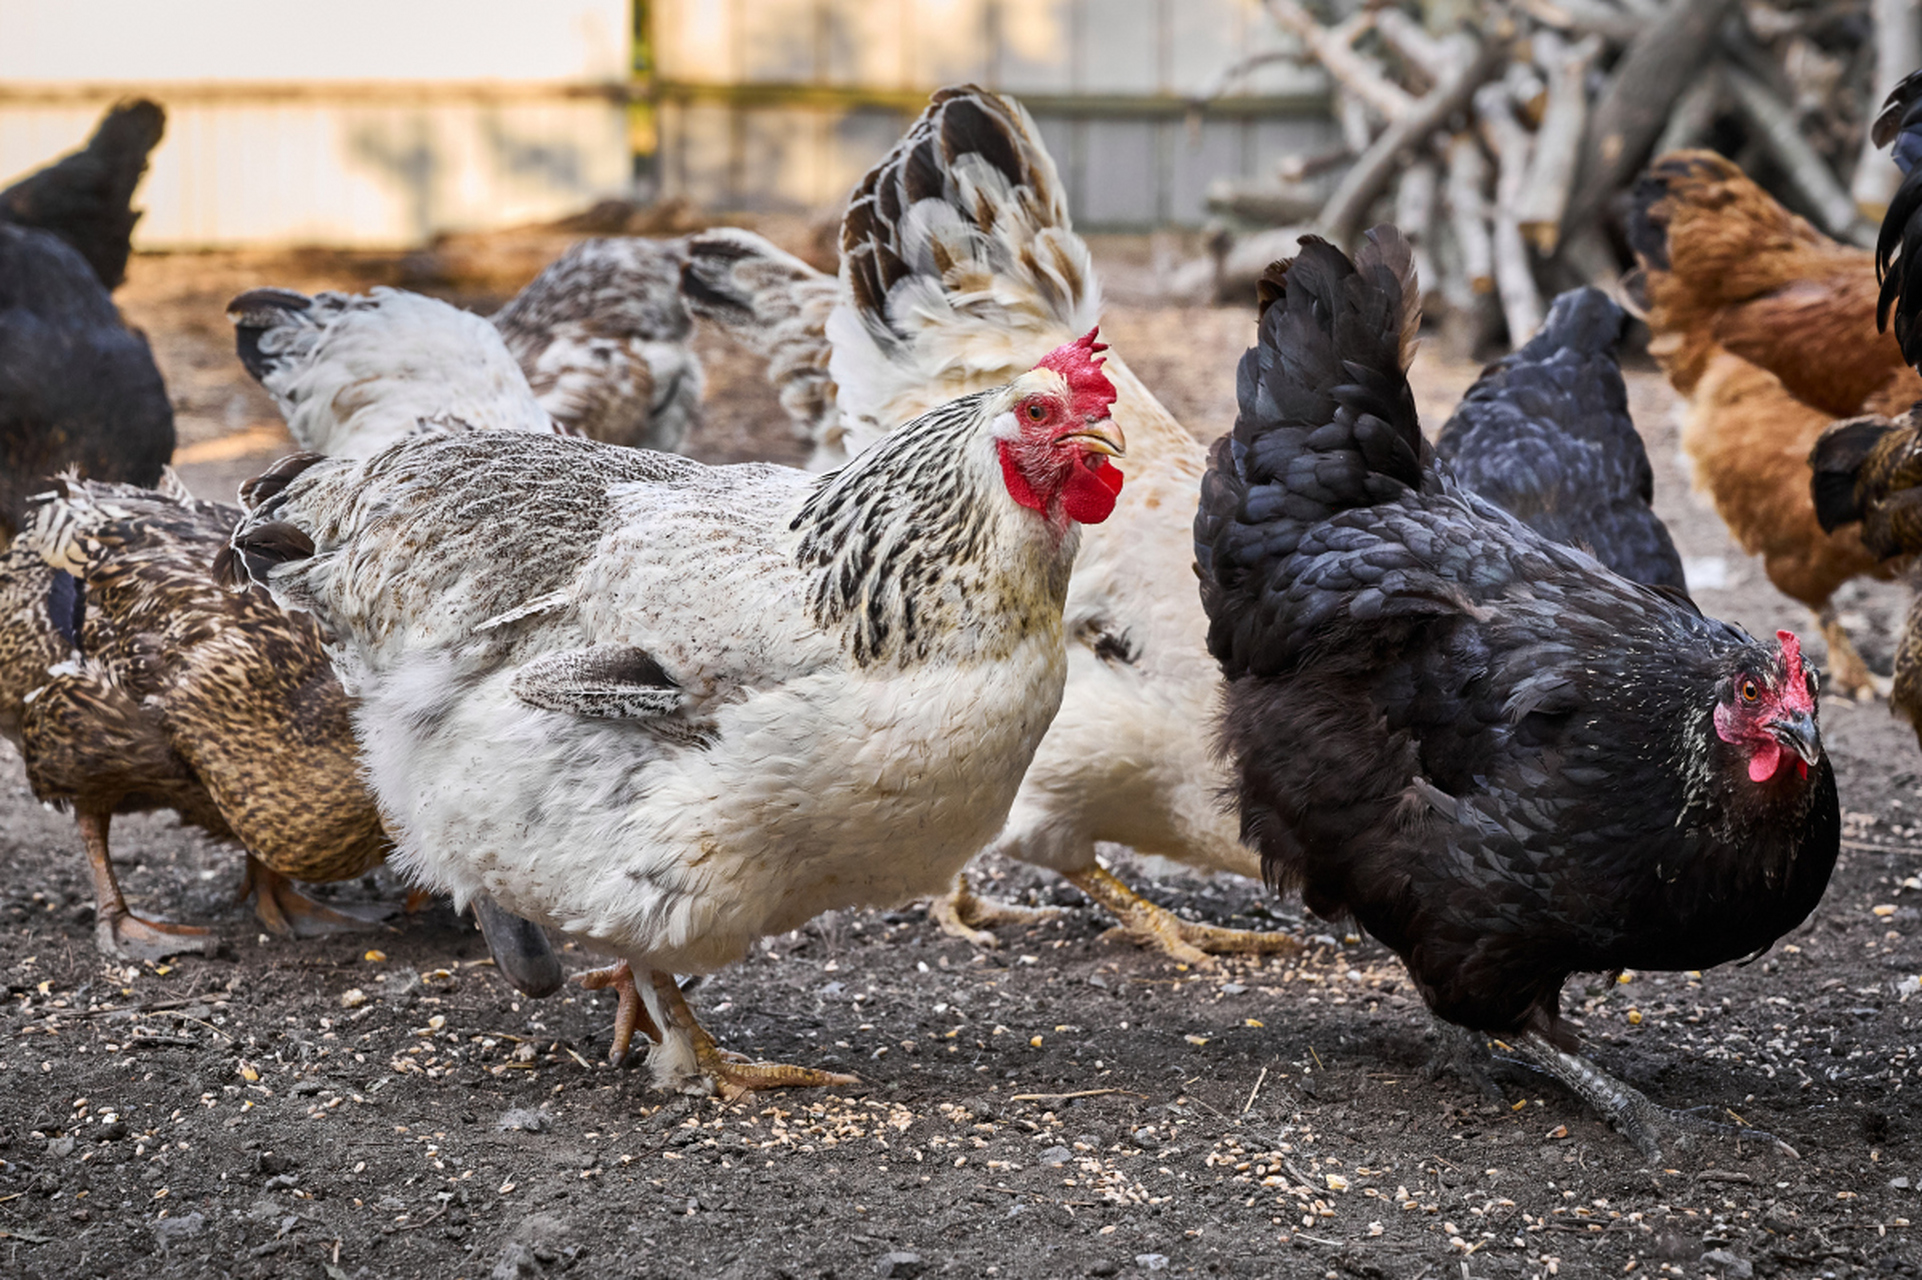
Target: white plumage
x: 670, y: 709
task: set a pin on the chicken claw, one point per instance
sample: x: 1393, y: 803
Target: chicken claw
x: 1149, y: 925
x: 284, y: 911
x: 117, y: 931
x: 1628, y: 1109
x: 963, y: 915
x: 630, y: 1015
x: 728, y: 1075
x: 1849, y: 675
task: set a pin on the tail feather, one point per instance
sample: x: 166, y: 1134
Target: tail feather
x: 86, y: 198
x: 1898, y: 265
x: 257, y: 312
x: 1836, y: 462
x: 1327, y: 423
x: 959, y: 262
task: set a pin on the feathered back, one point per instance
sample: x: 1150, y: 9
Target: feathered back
x: 1898, y: 265
x: 1545, y: 434
x: 777, y: 304
x: 85, y: 198
x: 603, y: 339
x: 354, y: 373
x: 960, y: 235
x: 1327, y: 423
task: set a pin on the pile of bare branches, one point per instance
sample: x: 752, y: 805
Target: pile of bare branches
x: 1500, y: 134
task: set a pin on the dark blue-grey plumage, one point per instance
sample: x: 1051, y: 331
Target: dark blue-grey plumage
x: 1897, y: 266
x: 1545, y: 434
x: 78, y: 388
x: 1496, y: 755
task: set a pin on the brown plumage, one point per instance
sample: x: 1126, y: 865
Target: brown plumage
x: 168, y: 691
x: 1768, y: 328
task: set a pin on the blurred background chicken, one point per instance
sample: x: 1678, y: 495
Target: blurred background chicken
x: 960, y: 268
x: 1501, y: 759
x: 1867, y: 470
x: 603, y: 339
x: 1545, y: 434
x: 1767, y: 327
x: 78, y: 387
x: 596, y: 345
x: 671, y: 709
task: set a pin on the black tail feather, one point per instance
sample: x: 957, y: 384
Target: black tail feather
x: 1836, y: 462
x: 1898, y: 247
x: 86, y: 198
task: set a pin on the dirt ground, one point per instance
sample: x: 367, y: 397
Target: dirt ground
x: 383, y: 1105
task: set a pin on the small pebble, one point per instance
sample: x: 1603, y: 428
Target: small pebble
x: 524, y: 1119
x: 899, y: 1266
x: 1152, y: 1261
x: 1055, y: 1156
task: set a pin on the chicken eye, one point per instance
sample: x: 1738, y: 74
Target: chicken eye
x: 1036, y: 412
x: 1750, y: 692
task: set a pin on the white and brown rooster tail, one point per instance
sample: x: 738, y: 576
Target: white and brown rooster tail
x: 779, y: 306
x: 959, y: 265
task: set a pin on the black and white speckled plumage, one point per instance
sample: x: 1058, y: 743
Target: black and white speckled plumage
x: 78, y: 388
x: 603, y: 339
x: 1493, y: 753
x: 1545, y: 434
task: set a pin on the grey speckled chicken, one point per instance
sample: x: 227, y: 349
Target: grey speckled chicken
x: 1545, y: 434
x: 603, y: 339
x: 1507, y: 763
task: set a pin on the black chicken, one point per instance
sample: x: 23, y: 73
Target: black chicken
x: 78, y: 388
x: 1545, y: 434
x: 1504, y: 761
x: 86, y: 198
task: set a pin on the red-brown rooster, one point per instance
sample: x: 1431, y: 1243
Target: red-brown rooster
x: 1498, y: 757
x: 671, y: 709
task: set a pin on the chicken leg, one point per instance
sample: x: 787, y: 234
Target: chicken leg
x: 1628, y: 1109
x: 630, y: 1015
x: 961, y: 914
x: 284, y: 911
x: 117, y: 931
x: 726, y: 1075
x: 1849, y: 675
x: 1146, y: 924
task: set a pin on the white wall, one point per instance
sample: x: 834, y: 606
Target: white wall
x: 350, y: 122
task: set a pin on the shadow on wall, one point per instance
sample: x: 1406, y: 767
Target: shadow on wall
x: 429, y: 164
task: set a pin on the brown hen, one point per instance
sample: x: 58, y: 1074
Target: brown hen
x: 1768, y: 328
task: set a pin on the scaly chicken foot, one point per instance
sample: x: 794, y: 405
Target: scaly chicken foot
x: 284, y: 911
x: 1849, y: 675
x: 1628, y: 1109
x: 1148, y: 925
x: 730, y: 1075
x: 630, y: 1015
x: 961, y: 914
x: 117, y: 931
x: 1464, y: 1053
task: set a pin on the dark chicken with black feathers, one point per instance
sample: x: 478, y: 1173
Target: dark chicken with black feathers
x: 86, y: 198
x: 1545, y: 434
x: 1504, y: 761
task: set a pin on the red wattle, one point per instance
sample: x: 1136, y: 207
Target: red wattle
x: 1763, y: 764
x: 1089, y: 495
x: 1018, y: 487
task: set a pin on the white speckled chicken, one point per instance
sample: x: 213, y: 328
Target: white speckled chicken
x: 354, y: 373
x: 960, y: 266
x: 671, y: 709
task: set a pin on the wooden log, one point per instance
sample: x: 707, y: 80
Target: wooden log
x: 1558, y: 142
x: 1898, y: 50
x: 1585, y: 17
x: 1468, y: 212
x: 1805, y: 170
x: 1411, y: 41
x: 1354, y: 119
x: 1415, y: 215
x: 1333, y: 48
x: 1370, y: 174
x: 1514, y: 272
x: 1693, y: 114
x: 1265, y: 203
x: 1657, y: 68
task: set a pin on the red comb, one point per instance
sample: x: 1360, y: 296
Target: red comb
x: 1796, y: 696
x: 1080, y: 363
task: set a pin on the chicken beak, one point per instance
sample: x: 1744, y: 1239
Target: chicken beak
x: 1102, y: 437
x: 1798, y: 733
